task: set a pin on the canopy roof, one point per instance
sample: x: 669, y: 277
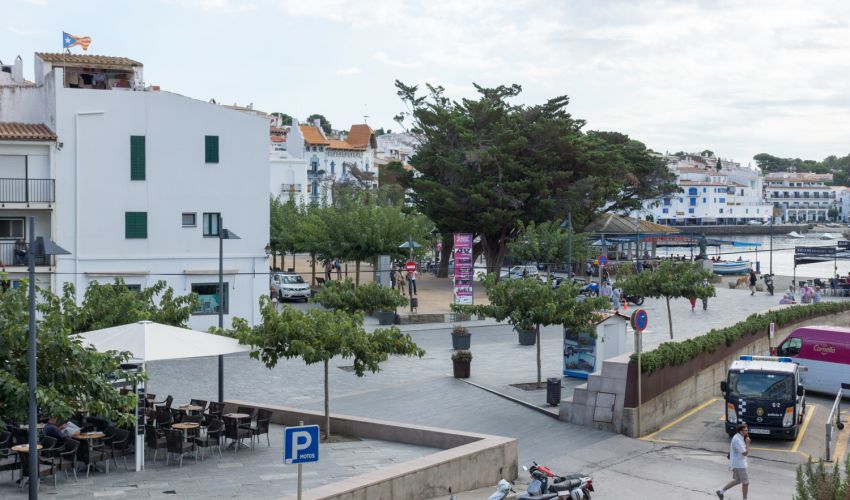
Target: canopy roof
x: 149, y: 341
x: 612, y: 224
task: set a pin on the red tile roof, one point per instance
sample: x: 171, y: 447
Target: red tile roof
x: 86, y: 59
x: 337, y: 144
x: 312, y: 135
x: 12, y: 131
x: 361, y: 136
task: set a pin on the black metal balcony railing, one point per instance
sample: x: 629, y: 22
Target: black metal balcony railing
x: 9, y: 258
x: 27, y: 191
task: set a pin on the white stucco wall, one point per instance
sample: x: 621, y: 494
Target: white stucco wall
x: 94, y: 191
x: 286, y: 170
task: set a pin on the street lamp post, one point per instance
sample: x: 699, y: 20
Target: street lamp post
x: 568, y: 224
x: 223, y: 234
x: 37, y: 246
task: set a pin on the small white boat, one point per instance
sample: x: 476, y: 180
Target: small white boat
x: 735, y: 267
x: 795, y: 235
x: 829, y: 236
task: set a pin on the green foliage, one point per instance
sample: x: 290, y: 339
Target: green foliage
x: 367, y: 298
x: 818, y: 483
x: 547, y: 243
x: 488, y: 166
x: 838, y: 166
x: 326, y: 125
x: 462, y: 356
x: 113, y: 304
x: 285, y: 119
x: 460, y: 330
x: 317, y: 336
x: 669, y: 280
x: 70, y: 377
x: 677, y: 353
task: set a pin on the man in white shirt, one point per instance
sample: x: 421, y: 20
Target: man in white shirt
x: 739, y: 448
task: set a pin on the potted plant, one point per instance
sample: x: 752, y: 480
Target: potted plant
x: 460, y: 362
x: 460, y: 337
x: 526, y: 334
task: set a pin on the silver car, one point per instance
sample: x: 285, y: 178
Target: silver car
x: 289, y: 286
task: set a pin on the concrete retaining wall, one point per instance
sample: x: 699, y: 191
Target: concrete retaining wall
x: 467, y: 461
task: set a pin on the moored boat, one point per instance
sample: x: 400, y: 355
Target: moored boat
x: 795, y: 235
x: 735, y: 267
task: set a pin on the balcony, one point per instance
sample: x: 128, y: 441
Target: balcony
x: 9, y: 259
x: 27, y: 191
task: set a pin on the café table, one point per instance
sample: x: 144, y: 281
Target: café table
x: 184, y: 427
x: 237, y: 417
x: 90, y: 438
x: 23, y: 450
x: 189, y: 409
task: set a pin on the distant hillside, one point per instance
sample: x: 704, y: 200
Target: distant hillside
x: 838, y: 167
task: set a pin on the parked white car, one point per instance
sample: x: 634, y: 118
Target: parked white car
x: 289, y: 286
x: 518, y: 272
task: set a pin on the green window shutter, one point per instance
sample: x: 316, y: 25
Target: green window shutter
x: 211, y: 148
x: 137, y: 157
x: 136, y: 225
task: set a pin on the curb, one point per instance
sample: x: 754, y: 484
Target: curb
x: 528, y: 405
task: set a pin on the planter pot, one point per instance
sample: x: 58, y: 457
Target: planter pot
x: 461, y: 368
x: 526, y: 337
x: 385, y: 317
x: 461, y: 341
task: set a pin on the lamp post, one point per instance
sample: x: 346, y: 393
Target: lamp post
x: 223, y: 234
x: 568, y: 225
x: 37, y: 246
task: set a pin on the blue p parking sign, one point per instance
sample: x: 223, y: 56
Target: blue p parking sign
x: 301, y: 444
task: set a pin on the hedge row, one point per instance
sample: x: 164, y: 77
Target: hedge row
x: 677, y: 353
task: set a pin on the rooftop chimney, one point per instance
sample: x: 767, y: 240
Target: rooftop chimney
x: 18, y: 70
x: 317, y: 123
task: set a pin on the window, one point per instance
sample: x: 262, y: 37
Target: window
x: 722, y: 200
x: 692, y: 191
x: 212, y: 221
x: 703, y: 200
x: 135, y: 225
x: 667, y: 202
x: 189, y: 219
x: 693, y: 201
x: 211, y: 149
x: 333, y: 170
x: 721, y: 210
x: 665, y: 210
x: 137, y: 157
x: 208, y: 298
x: 690, y: 210
x: 12, y: 228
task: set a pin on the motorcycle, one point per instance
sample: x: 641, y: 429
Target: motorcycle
x: 502, y: 489
x: 634, y: 299
x: 574, y: 487
x: 768, y: 282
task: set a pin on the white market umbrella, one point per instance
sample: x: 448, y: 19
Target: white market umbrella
x: 148, y: 341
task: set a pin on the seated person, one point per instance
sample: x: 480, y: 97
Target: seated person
x: 20, y: 253
x: 55, y: 431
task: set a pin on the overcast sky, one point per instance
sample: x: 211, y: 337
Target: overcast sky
x: 737, y: 77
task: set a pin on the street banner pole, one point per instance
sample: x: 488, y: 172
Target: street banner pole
x: 639, y: 321
x: 300, y: 424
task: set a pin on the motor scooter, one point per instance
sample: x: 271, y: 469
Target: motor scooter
x: 574, y: 487
x: 768, y: 282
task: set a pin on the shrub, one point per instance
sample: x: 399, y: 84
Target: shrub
x: 677, y: 353
x: 460, y: 330
x: 367, y: 298
x: 818, y: 483
x: 462, y: 356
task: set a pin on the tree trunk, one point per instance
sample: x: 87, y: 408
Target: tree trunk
x: 669, y: 318
x: 327, y: 405
x: 313, y: 264
x: 539, y: 376
x: 548, y: 270
x: 293, y: 261
x: 357, y: 272
x: 445, y: 255
x: 494, y: 253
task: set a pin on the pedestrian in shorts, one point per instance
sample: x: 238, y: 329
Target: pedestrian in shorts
x: 739, y: 448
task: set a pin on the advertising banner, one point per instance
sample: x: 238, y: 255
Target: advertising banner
x: 579, y: 354
x: 462, y: 253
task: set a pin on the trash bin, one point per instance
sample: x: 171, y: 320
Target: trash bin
x: 414, y: 304
x: 553, y: 391
x: 758, y: 267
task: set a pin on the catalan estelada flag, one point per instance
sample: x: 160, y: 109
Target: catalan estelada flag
x: 69, y: 41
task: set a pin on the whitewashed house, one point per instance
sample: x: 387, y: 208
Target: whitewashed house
x: 143, y: 180
x: 801, y: 196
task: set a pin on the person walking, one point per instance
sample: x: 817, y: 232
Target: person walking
x: 615, y: 298
x: 392, y: 277
x: 328, y: 268
x: 706, y: 284
x: 693, y: 300
x: 338, y: 266
x: 753, y: 281
x: 739, y: 448
x: 411, y: 283
x: 399, y: 281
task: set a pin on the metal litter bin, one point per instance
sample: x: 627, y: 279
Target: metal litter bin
x: 553, y: 391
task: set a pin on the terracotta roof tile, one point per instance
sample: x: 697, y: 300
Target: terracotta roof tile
x: 12, y: 131
x: 86, y: 59
x: 337, y: 144
x: 312, y: 135
x: 277, y: 138
x: 361, y: 136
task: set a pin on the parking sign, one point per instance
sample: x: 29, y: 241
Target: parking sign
x: 301, y: 444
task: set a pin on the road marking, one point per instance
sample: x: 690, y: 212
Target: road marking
x: 841, y: 445
x: 664, y: 441
x: 683, y: 417
x: 805, y: 426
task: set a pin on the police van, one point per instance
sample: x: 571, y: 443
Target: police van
x: 766, y: 393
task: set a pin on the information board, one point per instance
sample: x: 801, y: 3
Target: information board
x: 463, y: 268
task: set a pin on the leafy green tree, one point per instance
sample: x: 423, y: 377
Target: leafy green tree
x: 485, y: 166
x: 547, y: 243
x: 70, y: 376
x: 285, y: 119
x: 317, y: 336
x: 528, y: 304
x: 832, y: 213
x: 112, y: 304
x: 326, y: 125
x: 669, y: 280
x: 286, y: 235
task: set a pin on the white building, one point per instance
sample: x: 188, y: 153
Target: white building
x: 143, y: 181
x: 842, y: 203
x: 349, y: 158
x: 801, y: 196
x: 709, y: 195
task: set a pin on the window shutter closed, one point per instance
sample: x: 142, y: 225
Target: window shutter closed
x: 211, y: 149
x: 136, y: 225
x: 137, y: 157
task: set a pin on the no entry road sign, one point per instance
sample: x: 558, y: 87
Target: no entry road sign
x: 410, y: 266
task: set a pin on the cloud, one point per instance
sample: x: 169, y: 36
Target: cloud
x: 384, y: 58
x: 226, y: 6
x: 23, y: 32
x: 36, y: 2
x: 353, y: 70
